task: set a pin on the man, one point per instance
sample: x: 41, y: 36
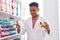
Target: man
x: 36, y: 26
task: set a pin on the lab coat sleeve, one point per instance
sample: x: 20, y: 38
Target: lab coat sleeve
x: 44, y: 19
x: 22, y: 28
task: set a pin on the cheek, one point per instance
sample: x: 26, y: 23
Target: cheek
x: 35, y: 11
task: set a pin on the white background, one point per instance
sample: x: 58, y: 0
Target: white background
x: 51, y: 14
x: 59, y: 15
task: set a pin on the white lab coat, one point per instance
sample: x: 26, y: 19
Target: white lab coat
x: 37, y: 33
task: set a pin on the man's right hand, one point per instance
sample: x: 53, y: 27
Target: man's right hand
x: 18, y: 27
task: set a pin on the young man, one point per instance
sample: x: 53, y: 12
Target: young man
x: 36, y: 26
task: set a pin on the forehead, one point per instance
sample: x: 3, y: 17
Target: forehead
x: 33, y: 7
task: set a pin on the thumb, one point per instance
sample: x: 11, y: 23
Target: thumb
x: 17, y: 22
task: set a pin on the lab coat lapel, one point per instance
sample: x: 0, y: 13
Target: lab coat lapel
x: 31, y: 24
x: 37, y: 22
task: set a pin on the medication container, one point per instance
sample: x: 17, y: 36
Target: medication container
x: 9, y: 12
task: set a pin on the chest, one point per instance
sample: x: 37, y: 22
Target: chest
x: 37, y: 27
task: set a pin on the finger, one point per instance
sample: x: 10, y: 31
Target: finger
x: 48, y: 31
x: 40, y: 22
x: 17, y: 21
x: 45, y: 23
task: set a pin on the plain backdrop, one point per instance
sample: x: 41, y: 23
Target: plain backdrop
x: 51, y: 14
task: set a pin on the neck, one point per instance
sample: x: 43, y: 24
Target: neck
x: 35, y: 16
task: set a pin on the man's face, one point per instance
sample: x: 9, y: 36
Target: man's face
x: 34, y: 10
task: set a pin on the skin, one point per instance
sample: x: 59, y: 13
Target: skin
x: 34, y: 12
x: 46, y: 26
x: 18, y: 27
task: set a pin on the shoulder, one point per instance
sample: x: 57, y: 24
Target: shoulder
x: 21, y: 21
x: 27, y: 20
x: 42, y: 19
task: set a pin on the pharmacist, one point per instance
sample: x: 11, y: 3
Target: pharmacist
x: 36, y: 26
